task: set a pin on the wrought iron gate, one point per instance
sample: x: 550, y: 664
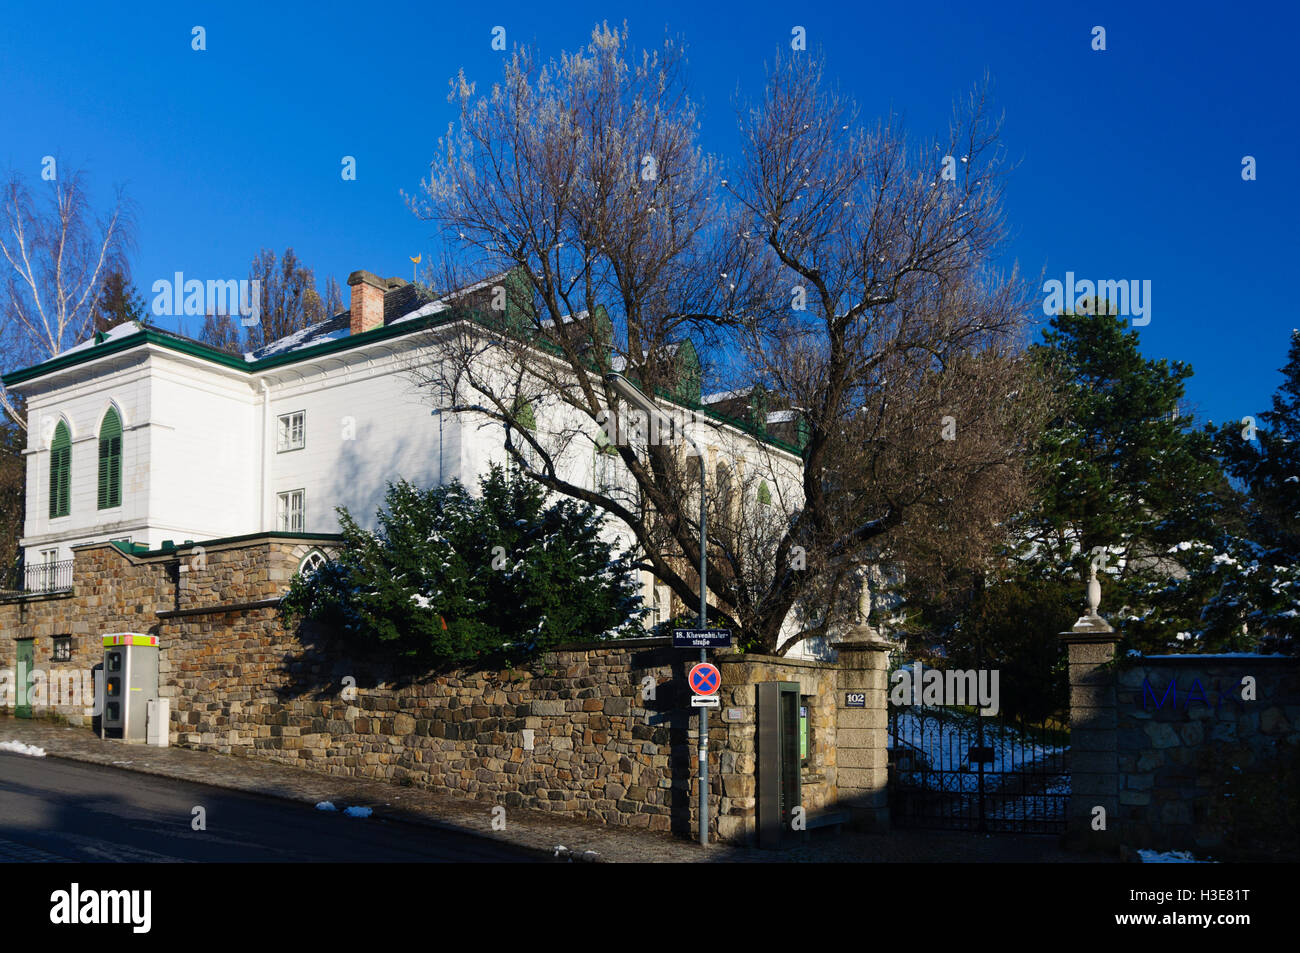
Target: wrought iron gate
x: 953, y: 769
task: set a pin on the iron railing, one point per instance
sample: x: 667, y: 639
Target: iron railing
x: 40, y: 578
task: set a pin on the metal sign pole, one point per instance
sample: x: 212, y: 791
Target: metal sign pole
x: 704, y: 657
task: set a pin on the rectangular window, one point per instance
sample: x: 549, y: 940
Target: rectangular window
x: 291, y: 512
x: 63, y: 648
x: 293, y: 431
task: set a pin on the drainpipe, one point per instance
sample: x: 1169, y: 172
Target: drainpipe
x: 265, y: 457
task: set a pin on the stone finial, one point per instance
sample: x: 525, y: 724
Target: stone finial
x: 864, y: 603
x: 1091, y: 622
x: 1094, y: 593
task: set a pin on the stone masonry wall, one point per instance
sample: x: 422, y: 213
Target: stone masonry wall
x: 1182, y: 722
x: 604, y: 730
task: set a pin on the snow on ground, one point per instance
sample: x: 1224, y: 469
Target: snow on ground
x: 325, y: 806
x: 1170, y: 857
x: 946, y: 738
x: 1025, y: 782
x: 17, y: 747
x: 358, y: 812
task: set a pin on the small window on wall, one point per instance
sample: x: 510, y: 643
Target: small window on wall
x: 293, y: 431
x: 62, y: 648
x: 291, y: 511
x: 312, y: 562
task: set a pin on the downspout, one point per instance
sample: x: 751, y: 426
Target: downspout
x: 265, y: 457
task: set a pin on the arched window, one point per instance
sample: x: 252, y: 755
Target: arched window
x: 60, y: 471
x: 110, y: 461
x: 312, y: 562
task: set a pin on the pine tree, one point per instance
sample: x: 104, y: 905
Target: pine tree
x: 449, y: 578
x: 117, y: 301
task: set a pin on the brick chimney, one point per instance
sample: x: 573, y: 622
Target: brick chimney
x: 367, y: 301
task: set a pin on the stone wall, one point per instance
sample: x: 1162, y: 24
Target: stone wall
x: 116, y: 592
x: 603, y: 731
x: 1182, y: 726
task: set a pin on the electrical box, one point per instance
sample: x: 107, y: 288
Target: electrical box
x: 779, y: 780
x: 130, y: 684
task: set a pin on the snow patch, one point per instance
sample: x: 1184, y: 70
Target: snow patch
x: 17, y: 747
x: 1170, y: 857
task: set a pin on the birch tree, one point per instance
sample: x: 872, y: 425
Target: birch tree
x: 54, y: 256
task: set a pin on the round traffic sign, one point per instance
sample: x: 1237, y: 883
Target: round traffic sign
x: 705, y: 678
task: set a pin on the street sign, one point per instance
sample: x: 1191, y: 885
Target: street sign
x: 704, y: 678
x: 705, y: 701
x: 701, y: 638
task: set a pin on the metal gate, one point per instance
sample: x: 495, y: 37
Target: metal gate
x: 953, y: 769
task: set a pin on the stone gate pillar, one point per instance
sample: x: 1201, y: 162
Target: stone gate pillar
x: 862, y: 733
x: 1093, y: 758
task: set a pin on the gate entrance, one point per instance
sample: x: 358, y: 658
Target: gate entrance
x: 779, y: 783
x: 953, y: 769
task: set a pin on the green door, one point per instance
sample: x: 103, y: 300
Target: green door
x: 26, y: 662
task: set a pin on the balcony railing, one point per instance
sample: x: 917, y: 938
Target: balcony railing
x: 40, y: 578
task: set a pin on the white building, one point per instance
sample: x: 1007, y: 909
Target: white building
x: 145, y: 437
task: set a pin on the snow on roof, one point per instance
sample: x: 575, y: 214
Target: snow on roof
x: 780, y: 416
x: 125, y: 329
x: 566, y: 319
x: 725, y: 395
x: 331, y: 330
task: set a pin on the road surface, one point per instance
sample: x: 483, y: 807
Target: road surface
x: 53, y: 810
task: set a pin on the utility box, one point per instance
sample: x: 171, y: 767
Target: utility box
x: 157, y: 726
x: 130, y: 684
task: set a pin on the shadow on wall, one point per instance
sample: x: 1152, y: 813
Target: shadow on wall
x: 572, y: 705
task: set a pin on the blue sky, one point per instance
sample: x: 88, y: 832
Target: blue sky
x: 1129, y: 159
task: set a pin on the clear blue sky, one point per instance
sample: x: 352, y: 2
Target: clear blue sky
x: 1130, y: 159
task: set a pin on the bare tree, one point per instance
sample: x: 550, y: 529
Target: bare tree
x: 289, y: 300
x: 55, y: 258
x: 850, y: 274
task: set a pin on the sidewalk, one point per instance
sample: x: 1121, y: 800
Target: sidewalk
x: 538, y: 830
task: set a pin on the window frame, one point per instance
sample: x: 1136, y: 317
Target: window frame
x: 109, y: 492
x: 58, y: 643
x: 280, y: 447
x: 61, y: 472
x: 284, y: 510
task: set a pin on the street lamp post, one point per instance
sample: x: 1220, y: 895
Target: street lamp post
x: 633, y: 395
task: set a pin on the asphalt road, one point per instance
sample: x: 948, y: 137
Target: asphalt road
x: 53, y: 810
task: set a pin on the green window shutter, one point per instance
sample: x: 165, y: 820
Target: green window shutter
x: 110, y: 461
x: 60, y: 471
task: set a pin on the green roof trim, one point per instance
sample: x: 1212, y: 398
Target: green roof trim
x: 148, y: 335
x: 142, y: 549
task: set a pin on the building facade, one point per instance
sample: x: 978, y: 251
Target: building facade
x: 150, y: 440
